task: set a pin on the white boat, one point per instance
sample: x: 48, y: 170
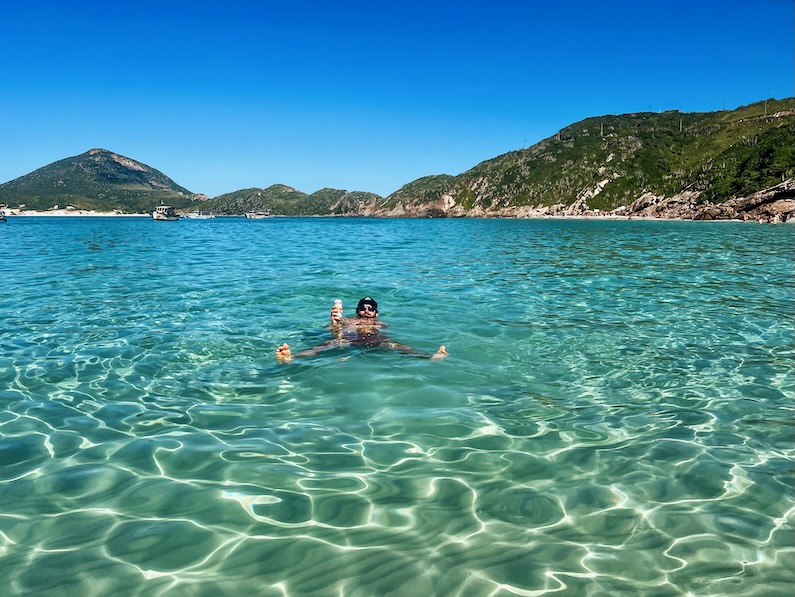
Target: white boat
x: 165, y: 213
x: 258, y: 215
x: 3, y: 212
x: 200, y: 215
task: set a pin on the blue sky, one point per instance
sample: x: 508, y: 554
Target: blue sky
x: 361, y: 95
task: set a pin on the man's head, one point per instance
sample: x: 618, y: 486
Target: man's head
x: 367, y: 307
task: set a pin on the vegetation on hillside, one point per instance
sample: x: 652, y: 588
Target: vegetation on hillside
x: 603, y: 162
x: 283, y: 200
x: 609, y: 161
x: 97, y: 179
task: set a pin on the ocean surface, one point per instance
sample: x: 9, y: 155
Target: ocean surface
x: 615, y: 416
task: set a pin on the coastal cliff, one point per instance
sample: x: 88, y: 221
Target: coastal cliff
x: 737, y: 164
x: 775, y: 204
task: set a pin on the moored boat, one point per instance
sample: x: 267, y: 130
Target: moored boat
x: 165, y: 213
x: 257, y: 215
x: 200, y: 215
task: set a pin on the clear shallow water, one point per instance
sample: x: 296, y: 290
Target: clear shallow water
x: 616, y: 415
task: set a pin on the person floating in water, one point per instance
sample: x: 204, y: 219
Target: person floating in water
x: 363, y: 330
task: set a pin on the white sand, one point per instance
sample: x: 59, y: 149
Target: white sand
x: 72, y: 212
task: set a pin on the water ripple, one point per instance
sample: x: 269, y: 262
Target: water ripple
x: 615, y: 417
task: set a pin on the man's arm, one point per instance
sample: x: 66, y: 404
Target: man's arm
x: 437, y: 356
x: 284, y: 355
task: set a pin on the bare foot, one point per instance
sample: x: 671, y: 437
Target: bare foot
x: 440, y: 354
x: 283, y: 354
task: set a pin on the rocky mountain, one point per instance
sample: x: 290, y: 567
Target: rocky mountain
x: 98, y: 179
x: 610, y: 162
x: 728, y: 164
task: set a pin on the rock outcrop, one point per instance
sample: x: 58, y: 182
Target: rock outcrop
x: 775, y: 204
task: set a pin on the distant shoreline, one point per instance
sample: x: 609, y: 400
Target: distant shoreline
x: 114, y: 214
x: 72, y: 212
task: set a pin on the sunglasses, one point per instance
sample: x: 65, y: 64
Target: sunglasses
x: 367, y: 308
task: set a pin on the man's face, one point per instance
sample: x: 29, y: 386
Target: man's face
x: 367, y: 311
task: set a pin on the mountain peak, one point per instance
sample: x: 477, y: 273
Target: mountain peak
x: 99, y: 154
x: 98, y: 178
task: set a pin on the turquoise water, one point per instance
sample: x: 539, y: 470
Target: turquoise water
x: 615, y: 416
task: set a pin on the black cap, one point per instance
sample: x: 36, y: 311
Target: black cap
x: 366, y: 301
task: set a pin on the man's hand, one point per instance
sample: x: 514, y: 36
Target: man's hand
x: 283, y: 354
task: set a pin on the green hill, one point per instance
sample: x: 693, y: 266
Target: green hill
x: 603, y: 163
x: 609, y: 161
x: 97, y: 179
x: 283, y: 200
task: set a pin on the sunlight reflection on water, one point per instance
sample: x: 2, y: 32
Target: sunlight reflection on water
x: 615, y: 415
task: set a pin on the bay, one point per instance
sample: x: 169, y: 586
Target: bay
x: 615, y: 415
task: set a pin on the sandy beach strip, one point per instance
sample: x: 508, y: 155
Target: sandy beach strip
x: 116, y: 214
x: 72, y: 212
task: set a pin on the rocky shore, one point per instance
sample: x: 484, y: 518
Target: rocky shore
x: 776, y: 204
x: 772, y: 205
